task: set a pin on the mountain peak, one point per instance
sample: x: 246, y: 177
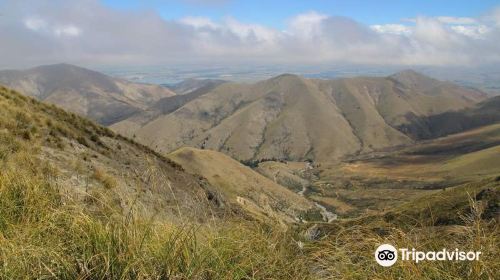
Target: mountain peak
x: 287, y: 79
x: 286, y: 76
x: 412, y: 78
x: 408, y: 73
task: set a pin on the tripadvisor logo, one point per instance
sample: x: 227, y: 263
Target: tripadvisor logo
x: 387, y: 255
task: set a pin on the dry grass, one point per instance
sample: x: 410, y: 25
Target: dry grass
x: 347, y: 253
x: 108, y: 181
x: 46, y: 234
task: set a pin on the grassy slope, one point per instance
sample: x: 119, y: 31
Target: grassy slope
x: 85, y: 92
x: 44, y: 233
x: 240, y: 184
x: 49, y: 229
x: 465, y: 217
x: 92, y: 161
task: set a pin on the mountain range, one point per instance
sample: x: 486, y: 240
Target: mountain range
x: 294, y: 118
x: 281, y: 179
x: 285, y: 117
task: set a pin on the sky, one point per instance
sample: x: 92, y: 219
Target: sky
x: 204, y: 32
x: 276, y: 13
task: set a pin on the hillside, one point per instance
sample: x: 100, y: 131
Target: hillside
x: 194, y: 186
x: 89, y: 161
x: 433, y: 126
x: 80, y: 202
x: 189, y: 85
x: 290, y: 117
x: 240, y: 184
x: 88, y: 93
x: 167, y: 105
x: 375, y: 182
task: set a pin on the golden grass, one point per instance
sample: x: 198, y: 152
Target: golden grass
x: 347, y: 253
x: 45, y: 234
x: 104, y: 178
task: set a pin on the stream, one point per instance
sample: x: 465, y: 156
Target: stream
x: 327, y: 215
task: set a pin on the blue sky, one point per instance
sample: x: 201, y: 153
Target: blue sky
x: 275, y: 13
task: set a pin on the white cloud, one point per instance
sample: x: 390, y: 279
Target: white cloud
x: 398, y: 29
x: 67, y: 30
x: 40, y: 25
x: 35, y: 24
x: 307, y: 24
x: 456, y: 20
x: 199, y: 22
x: 85, y: 31
x: 475, y: 31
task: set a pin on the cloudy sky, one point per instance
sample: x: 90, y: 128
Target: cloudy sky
x: 131, y: 32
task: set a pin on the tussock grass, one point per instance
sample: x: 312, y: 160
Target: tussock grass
x: 45, y: 235
x: 347, y: 251
x: 107, y: 180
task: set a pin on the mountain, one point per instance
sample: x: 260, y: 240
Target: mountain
x: 190, y: 85
x: 167, y: 105
x: 290, y: 117
x: 88, y: 93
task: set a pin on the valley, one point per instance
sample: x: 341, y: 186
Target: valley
x: 316, y: 167
x: 249, y: 140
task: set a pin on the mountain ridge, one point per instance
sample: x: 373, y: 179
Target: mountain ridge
x: 295, y: 118
x: 86, y: 92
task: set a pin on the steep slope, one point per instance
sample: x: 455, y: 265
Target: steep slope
x: 240, y: 184
x: 399, y: 98
x: 189, y: 85
x: 94, y: 166
x: 85, y: 92
x: 427, y: 127
x: 293, y: 118
x: 285, y: 117
x: 165, y: 106
x: 78, y: 202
